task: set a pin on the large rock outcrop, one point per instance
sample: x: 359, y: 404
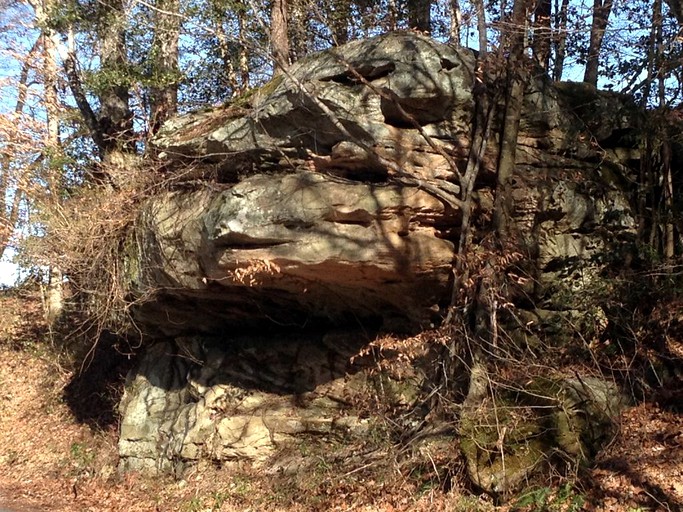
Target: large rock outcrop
x: 301, y: 219
x: 290, y: 249
x: 313, y: 203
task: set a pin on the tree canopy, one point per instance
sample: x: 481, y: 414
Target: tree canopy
x: 86, y: 83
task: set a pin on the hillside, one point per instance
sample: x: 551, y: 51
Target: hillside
x: 51, y: 461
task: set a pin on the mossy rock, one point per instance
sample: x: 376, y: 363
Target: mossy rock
x: 503, y: 442
x: 508, y: 440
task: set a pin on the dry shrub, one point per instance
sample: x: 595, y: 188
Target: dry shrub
x: 254, y: 273
x: 85, y: 236
x: 83, y: 239
x: 22, y: 321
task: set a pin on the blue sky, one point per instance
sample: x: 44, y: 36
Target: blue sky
x: 23, y: 36
x: 8, y: 272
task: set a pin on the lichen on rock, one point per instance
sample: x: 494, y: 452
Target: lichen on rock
x: 318, y: 220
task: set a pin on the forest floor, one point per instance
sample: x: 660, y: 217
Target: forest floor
x: 52, y: 460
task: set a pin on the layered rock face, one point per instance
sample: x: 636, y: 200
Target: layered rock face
x: 316, y: 207
x: 291, y: 249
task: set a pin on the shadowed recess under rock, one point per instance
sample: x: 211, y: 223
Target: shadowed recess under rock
x: 334, y: 205
x: 238, y: 398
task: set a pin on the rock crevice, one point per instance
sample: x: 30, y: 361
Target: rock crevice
x: 304, y: 230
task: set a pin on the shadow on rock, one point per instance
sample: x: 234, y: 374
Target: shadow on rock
x: 95, y: 391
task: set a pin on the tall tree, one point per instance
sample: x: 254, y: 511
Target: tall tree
x: 482, y: 30
x: 52, y: 156
x: 164, y: 63
x: 542, y: 33
x: 230, y: 72
x: 456, y: 22
x: 560, y: 38
x: 115, y: 116
x: 279, y: 37
x: 601, y: 13
x: 419, y: 15
x: 111, y: 125
x: 516, y: 76
x: 54, y: 302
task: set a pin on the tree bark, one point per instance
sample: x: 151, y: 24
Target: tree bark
x: 654, y: 51
x: 111, y: 129
x: 456, y: 22
x: 392, y: 15
x: 164, y: 63
x: 279, y: 39
x: 670, y: 213
x: 54, y: 301
x: 481, y: 28
x: 601, y: 13
x: 90, y: 119
x: 419, y: 15
x: 115, y: 117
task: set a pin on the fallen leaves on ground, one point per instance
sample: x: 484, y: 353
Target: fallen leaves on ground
x: 51, y: 462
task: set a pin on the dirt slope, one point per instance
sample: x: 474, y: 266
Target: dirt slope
x: 51, y: 462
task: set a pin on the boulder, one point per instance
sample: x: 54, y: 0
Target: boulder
x: 308, y: 216
x: 291, y: 249
x: 380, y: 90
x: 536, y: 425
x: 193, y: 398
x: 320, y: 201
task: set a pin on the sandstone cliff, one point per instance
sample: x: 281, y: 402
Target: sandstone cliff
x: 322, y: 208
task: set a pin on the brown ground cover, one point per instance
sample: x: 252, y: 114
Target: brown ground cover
x: 52, y: 460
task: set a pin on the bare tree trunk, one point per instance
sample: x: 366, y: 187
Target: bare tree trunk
x: 653, y: 50
x: 279, y: 38
x: 54, y: 300
x: 666, y: 155
x: 54, y: 297
x: 669, y: 231
x: 542, y: 33
x: 560, y: 39
x: 601, y: 13
x: 419, y: 15
x: 164, y: 63
x: 339, y: 22
x: 456, y: 23
x: 481, y: 27
x: 511, y: 120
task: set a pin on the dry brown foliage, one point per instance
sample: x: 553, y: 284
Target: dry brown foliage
x: 50, y: 461
x: 254, y: 273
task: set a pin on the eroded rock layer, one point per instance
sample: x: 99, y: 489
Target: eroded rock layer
x: 290, y: 249
x: 328, y: 198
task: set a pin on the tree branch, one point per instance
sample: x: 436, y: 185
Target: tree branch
x: 76, y: 87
